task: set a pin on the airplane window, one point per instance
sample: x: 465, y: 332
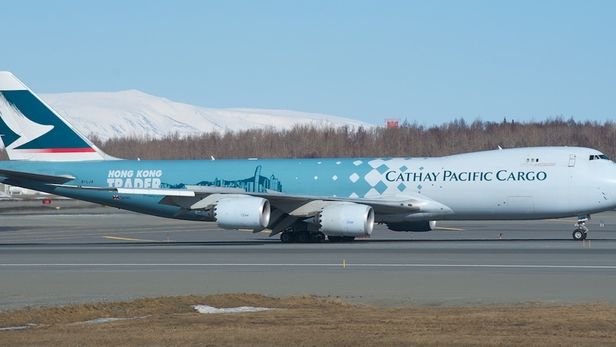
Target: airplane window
x: 603, y: 156
x: 592, y: 157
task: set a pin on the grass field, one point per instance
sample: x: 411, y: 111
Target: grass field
x: 308, y: 321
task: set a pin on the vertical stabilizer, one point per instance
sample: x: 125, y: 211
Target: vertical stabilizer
x: 31, y: 130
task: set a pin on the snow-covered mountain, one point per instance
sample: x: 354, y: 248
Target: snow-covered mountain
x: 134, y: 113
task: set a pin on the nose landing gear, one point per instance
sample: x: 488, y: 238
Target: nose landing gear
x: 581, y: 231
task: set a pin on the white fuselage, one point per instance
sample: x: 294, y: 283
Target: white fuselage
x: 523, y: 183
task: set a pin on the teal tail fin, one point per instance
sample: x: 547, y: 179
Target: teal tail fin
x: 31, y: 130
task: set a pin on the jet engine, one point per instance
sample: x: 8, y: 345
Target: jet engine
x: 242, y: 213
x: 346, y: 219
x: 418, y: 226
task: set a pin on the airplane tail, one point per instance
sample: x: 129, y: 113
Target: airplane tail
x: 31, y: 130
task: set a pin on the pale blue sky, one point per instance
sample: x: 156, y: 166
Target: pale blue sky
x: 428, y: 61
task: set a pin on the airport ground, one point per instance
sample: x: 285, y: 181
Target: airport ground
x: 309, y: 321
x: 500, y: 278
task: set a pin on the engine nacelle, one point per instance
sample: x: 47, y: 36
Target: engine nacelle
x: 243, y: 213
x: 419, y: 226
x: 346, y: 219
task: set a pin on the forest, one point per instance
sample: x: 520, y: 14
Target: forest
x: 408, y: 140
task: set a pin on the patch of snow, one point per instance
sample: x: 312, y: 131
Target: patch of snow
x: 104, y: 320
x: 241, y: 309
x: 134, y: 113
x: 20, y: 327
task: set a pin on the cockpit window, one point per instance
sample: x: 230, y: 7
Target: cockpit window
x: 598, y: 156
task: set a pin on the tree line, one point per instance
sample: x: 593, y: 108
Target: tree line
x: 407, y: 140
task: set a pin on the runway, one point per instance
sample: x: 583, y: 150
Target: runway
x: 52, y: 256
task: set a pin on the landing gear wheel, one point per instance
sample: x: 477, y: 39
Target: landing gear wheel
x: 579, y: 234
x: 303, y: 237
x: 581, y: 231
x: 318, y: 237
x: 334, y: 238
x: 287, y: 238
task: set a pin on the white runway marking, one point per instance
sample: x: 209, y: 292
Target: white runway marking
x: 448, y: 229
x: 341, y: 264
x: 120, y: 238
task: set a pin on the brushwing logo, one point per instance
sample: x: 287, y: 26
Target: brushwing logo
x: 23, y: 129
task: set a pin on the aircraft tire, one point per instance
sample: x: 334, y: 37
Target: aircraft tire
x: 287, y: 238
x: 318, y: 237
x: 334, y: 238
x: 579, y: 235
x: 303, y: 237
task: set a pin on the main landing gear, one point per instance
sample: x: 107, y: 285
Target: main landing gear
x: 581, y: 231
x: 302, y: 232
x: 308, y: 237
x: 301, y: 237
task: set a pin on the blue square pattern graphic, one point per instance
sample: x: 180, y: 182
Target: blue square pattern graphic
x: 382, y: 169
x: 380, y: 187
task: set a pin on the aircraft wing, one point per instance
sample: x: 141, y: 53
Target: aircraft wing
x: 196, y: 198
x: 203, y: 197
x: 299, y: 206
x: 288, y: 208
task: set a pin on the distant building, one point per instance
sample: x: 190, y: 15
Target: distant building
x: 392, y: 123
x: 12, y: 191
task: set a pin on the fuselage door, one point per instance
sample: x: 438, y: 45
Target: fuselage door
x: 571, y: 160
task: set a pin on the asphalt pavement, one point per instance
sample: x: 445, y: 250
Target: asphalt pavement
x: 65, y: 253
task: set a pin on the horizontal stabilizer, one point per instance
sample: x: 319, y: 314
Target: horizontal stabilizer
x: 42, y: 178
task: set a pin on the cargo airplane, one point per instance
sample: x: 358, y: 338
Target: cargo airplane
x: 304, y: 200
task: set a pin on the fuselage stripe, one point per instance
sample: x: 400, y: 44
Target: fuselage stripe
x: 60, y: 150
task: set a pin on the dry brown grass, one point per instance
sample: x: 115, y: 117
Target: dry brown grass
x: 310, y: 321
